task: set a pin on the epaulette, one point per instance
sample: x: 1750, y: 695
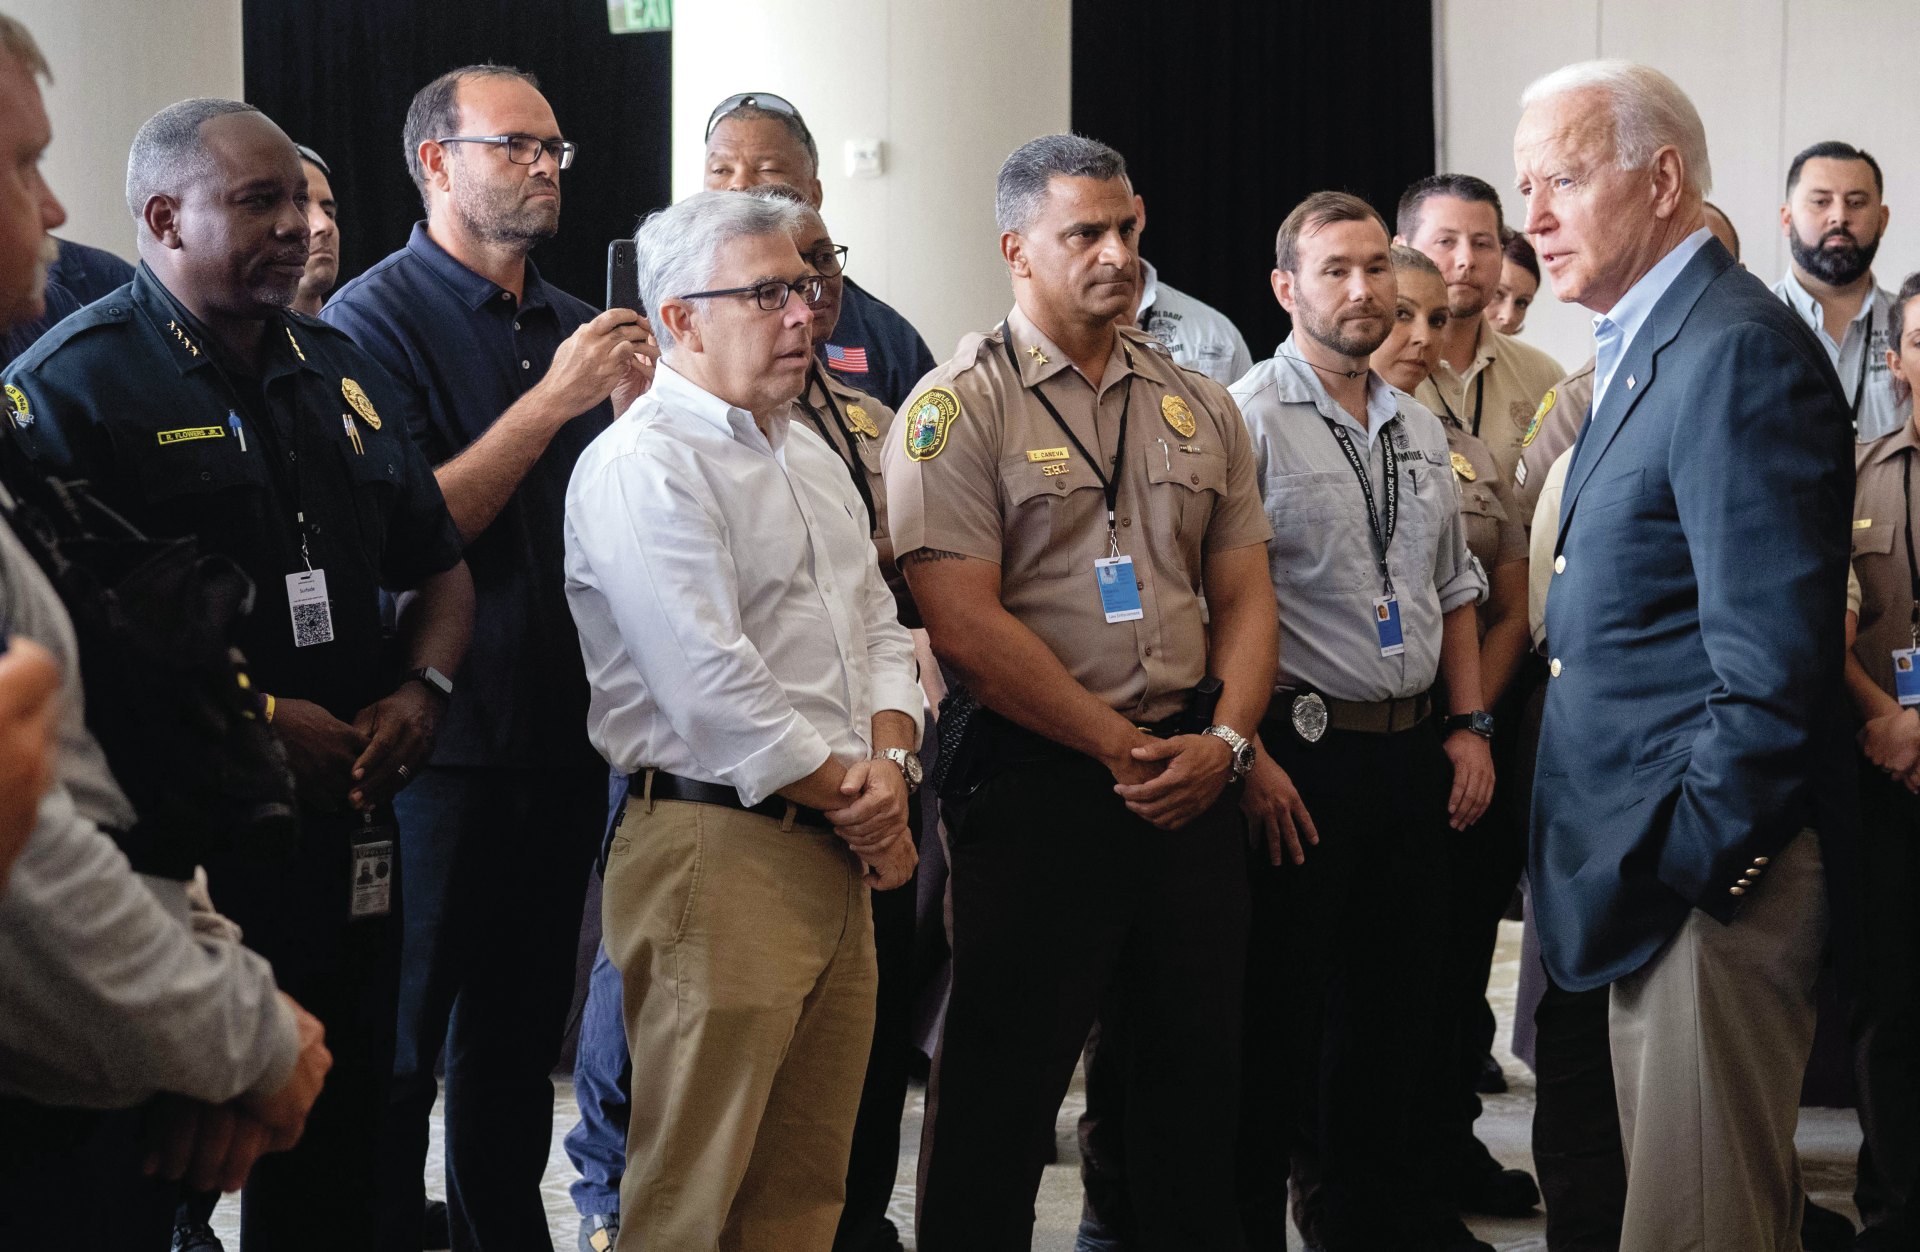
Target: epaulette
x: 973, y: 348
x: 113, y: 309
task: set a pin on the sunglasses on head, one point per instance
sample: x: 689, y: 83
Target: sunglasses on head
x: 753, y: 99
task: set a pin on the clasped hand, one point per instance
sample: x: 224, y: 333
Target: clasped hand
x: 874, y: 822
x: 1169, y: 782
x: 1892, y: 742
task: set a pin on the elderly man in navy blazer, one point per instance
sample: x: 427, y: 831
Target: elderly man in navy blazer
x: 1691, y: 820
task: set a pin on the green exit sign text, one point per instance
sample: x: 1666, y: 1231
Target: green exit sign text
x: 630, y: 17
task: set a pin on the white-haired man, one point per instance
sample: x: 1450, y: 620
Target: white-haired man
x: 1691, y: 810
x: 752, y: 679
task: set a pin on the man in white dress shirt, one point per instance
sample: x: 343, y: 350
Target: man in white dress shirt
x: 750, y: 674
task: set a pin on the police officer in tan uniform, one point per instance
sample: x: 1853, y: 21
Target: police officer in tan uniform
x: 1061, y: 495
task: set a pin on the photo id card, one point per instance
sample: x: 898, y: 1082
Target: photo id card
x: 1119, y: 593
x: 307, y: 605
x: 372, y: 875
x: 1906, y: 678
x: 1386, y: 620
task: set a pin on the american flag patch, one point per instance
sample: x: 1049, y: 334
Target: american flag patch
x: 847, y: 360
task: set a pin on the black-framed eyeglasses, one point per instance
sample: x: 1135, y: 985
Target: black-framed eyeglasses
x: 829, y: 259
x: 522, y: 149
x: 771, y: 295
x: 755, y: 99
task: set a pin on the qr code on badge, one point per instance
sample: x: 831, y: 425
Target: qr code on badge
x: 312, y: 623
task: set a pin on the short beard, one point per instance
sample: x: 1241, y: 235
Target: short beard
x: 1327, y: 333
x: 501, y: 215
x: 1837, y: 267
x: 1456, y: 312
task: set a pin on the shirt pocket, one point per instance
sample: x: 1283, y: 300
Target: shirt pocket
x: 1874, y: 540
x: 1187, y: 488
x: 374, y: 479
x: 1481, y: 515
x: 1321, y: 541
x: 1053, y: 518
x: 868, y: 450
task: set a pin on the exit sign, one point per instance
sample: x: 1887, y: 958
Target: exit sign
x: 630, y: 17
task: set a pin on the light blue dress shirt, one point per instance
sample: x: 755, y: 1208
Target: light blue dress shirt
x: 1613, y: 331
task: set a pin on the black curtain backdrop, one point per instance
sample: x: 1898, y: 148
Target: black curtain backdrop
x: 1230, y: 112
x: 337, y: 75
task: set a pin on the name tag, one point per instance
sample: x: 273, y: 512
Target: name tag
x: 1906, y: 679
x: 192, y: 432
x: 1046, y: 454
x: 309, y: 607
x: 1119, y: 593
x: 1386, y: 621
x: 372, y: 875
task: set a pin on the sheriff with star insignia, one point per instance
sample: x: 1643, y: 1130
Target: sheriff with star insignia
x: 197, y: 405
x: 1061, y: 495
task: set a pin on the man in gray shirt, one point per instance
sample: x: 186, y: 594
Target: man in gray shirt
x: 1376, y: 591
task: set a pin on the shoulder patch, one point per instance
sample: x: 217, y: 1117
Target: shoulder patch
x: 1539, y: 415
x: 17, y: 407
x: 928, y: 419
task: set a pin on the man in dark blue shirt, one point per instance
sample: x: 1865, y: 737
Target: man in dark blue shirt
x: 760, y: 138
x: 88, y: 272
x: 513, y: 378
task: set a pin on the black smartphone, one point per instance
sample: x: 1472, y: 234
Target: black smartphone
x: 623, y: 276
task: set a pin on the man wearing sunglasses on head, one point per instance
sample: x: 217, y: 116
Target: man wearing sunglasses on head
x: 755, y: 138
x: 498, y: 833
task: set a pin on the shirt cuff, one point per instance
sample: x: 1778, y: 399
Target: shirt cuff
x: 901, y: 693
x: 284, y: 1055
x: 795, y: 752
x: 1467, y: 586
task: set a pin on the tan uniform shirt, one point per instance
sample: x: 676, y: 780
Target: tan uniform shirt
x: 1555, y: 426
x: 1494, y: 533
x: 1503, y: 386
x: 856, y: 426
x: 981, y: 468
x: 1882, y: 523
x: 1553, y: 483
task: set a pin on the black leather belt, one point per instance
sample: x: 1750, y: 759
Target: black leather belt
x: 673, y: 787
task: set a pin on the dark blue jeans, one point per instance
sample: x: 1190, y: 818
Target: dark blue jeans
x: 496, y: 864
x: 602, y: 1081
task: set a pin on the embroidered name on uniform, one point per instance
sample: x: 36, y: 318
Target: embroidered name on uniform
x: 192, y: 432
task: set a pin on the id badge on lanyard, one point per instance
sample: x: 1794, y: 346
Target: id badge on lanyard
x: 1386, y: 606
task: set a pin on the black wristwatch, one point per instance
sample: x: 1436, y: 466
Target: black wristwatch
x: 1479, y: 722
x: 436, y: 682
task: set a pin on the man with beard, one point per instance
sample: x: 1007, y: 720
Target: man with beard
x: 1833, y: 220
x: 1486, y: 381
x: 196, y: 405
x: 1060, y: 496
x: 1377, y: 592
x: 497, y: 836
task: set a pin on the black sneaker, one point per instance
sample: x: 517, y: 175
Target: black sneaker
x: 435, y: 1233
x: 599, y: 1231
x: 1492, y: 1080
x: 198, y: 1237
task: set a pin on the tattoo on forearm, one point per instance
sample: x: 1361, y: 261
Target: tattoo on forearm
x: 919, y: 555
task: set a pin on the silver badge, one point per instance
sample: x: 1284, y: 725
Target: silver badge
x: 1309, y: 716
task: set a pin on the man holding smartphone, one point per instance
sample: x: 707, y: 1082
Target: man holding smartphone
x: 514, y: 378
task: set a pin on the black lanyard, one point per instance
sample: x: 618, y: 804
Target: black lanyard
x: 1382, y: 527
x: 1913, y: 566
x: 1860, y: 386
x: 1479, y: 399
x: 1109, y: 485
x: 859, y: 476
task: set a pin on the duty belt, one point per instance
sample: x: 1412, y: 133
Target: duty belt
x: 1310, y: 714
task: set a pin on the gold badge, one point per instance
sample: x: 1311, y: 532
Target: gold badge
x: 294, y: 342
x: 1178, y: 415
x: 1046, y: 454
x: 22, y: 412
x: 1539, y: 415
x: 1037, y: 355
x: 361, y: 405
x: 192, y: 432
x: 928, y: 420
x: 861, y: 423
x: 1463, y: 467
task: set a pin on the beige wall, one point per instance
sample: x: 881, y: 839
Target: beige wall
x: 950, y: 89
x: 1768, y: 76
x: 115, y: 64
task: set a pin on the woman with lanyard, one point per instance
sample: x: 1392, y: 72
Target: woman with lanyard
x: 1884, y: 684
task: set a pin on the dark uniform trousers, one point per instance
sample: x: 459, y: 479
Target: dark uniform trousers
x: 1344, y: 959
x: 322, y: 1194
x: 1065, y: 907
x: 1886, y: 1040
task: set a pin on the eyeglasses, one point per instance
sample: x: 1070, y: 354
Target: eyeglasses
x: 829, y: 259
x: 771, y: 295
x: 754, y: 99
x: 522, y: 149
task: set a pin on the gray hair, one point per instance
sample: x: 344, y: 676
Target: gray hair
x: 1024, y: 178
x: 17, y: 42
x: 679, y: 246
x: 1649, y: 110
x: 168, y: 152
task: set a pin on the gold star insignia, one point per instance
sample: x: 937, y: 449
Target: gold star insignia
x: 1037, y: 355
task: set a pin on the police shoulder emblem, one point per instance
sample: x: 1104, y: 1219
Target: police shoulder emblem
x: 862, y: 424
x: 1539, y: 415
x: 1463, y: 467
x: 928, y: 420
x: 361, y: 405
x: 1178, y: 415
x: 19, y: 410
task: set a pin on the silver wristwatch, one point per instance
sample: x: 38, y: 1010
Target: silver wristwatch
x: 909, y: 765
x: 1241, y: 745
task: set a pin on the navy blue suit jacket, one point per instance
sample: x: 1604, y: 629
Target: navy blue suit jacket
x: 1697, y: 719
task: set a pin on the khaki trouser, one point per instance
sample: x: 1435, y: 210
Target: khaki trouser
x: 746, y: 955
x: 1710, y: 1041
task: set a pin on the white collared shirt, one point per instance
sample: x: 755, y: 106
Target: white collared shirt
x: 731, y: 612
x: 1197, y: 335
x: 1860, y: 358
x: 1614, y: 330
